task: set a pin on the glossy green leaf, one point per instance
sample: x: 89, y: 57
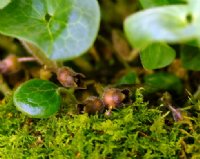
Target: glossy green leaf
x: 168, y: 23
x: 157, y: 55
x: 37, y: 98
x: 62, y: 29
x: 162, y: 82
x: 190, y: 57
x: 4, y: 3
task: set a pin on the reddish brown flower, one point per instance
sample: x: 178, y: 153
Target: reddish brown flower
x: 113, y: 97
x: 68, y: 78
x: 91, y: 105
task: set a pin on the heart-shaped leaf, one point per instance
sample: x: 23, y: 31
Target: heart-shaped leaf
x: 157, y: 55
x: 37, y: 98
x: 62, y: 29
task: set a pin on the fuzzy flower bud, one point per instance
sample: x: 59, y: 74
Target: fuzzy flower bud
x: 9, y: 65
x: 114, y: 97
x: 92, y: 105
x: 68, y: 78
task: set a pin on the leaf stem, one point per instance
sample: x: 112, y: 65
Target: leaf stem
x: 26, y: 59
x: 4, y: 88
x: 39, y: 56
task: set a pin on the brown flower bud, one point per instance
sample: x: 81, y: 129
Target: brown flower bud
x: 92, y: 105
x: 10, y: 65
x: 68, y: 78
x: 114, y: 97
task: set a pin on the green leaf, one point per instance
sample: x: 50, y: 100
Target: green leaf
x: 37, y: 98
x: 4, y: 3
x: 162, y: 82
x: 194, y: 15
x: 169, y: 23
x: 194, y: 7
x: 129, y: 78
x: 62, y: 29
x: 154, y: 3
x: 190, y: 56
x: 157, y: 55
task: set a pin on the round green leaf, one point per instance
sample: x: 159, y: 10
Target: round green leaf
x: 37, y: 98
x: 62, y: 29
x: 157, y: 55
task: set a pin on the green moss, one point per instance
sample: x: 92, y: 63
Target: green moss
x: 136, y: 131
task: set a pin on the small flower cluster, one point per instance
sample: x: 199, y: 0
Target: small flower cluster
x: 112, y: 98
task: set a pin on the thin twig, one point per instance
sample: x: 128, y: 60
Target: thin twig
x: 26, y: 59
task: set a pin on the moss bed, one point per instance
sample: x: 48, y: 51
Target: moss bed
x: 139, y: 130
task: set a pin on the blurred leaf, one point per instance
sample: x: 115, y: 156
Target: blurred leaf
x: 169, y: 23
x: 121, y: 45
x: 162, y: 81
x: 129, y: 78
x: 4, y: 3
x: 194, y: 6
x: 37, y: 98
x: 190, y: 56
x: 193, y: 43
x: 194, y: 17
x: 62, y: 29
x: 153, y: 3
x: 157, y: 55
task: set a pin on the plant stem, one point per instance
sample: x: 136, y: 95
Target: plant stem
x: 197, y: 93
x: 26, y: 59
x: 39, y: 55
x: 4, y: 87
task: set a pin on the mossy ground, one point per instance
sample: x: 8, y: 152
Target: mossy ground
x: 136, y: 131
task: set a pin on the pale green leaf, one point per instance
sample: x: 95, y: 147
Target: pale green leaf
x: 62, y: 29
x: 169, y: 23
x: 4, y: 3
x: 157, y: 55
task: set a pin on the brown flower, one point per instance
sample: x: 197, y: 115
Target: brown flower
x: 68, y: 78
x: 91, y: 105
x: 10, y: 65
x: 114, y: 97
